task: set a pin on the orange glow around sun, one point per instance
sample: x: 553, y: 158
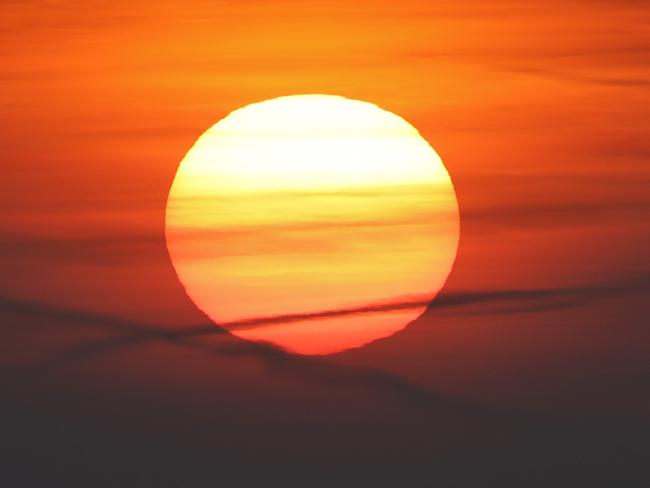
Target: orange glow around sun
x: 314, y: 222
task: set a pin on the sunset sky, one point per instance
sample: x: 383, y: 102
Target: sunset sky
x: 534, y: 357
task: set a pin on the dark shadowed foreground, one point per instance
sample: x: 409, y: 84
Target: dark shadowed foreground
x: 125, y: 403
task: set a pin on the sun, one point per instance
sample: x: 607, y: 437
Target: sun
x: 314, y: 222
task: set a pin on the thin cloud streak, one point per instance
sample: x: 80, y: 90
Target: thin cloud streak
x: 276, y: 360
x: 109, y: 248
x: 582, y: 78
x: 520, y: 299
x: 457, y: 299
x: 309, y: 369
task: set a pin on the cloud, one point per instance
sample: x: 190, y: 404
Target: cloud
x: 127, y: 246
x: 311, y: 370
x: 304, y: 368
x: 509, y: 301
x: 584, y: 78
x: 513, y: 299
x: 549, y: 215
x: 277, y: 361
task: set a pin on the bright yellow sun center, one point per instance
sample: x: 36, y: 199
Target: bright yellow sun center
x: 315, y: 222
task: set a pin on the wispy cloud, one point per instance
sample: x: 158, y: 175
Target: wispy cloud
x: 511, y: 300
x: 97, y: 246
x: 620, y: 81
x: 518, y: 299
x: 309, y: 369
x: 277, y: 361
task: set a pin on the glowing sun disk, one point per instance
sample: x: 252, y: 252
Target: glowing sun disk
x: 289, y: 210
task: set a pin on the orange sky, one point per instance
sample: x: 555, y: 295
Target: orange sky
x: 529, y: 369
x: 538, y: 109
